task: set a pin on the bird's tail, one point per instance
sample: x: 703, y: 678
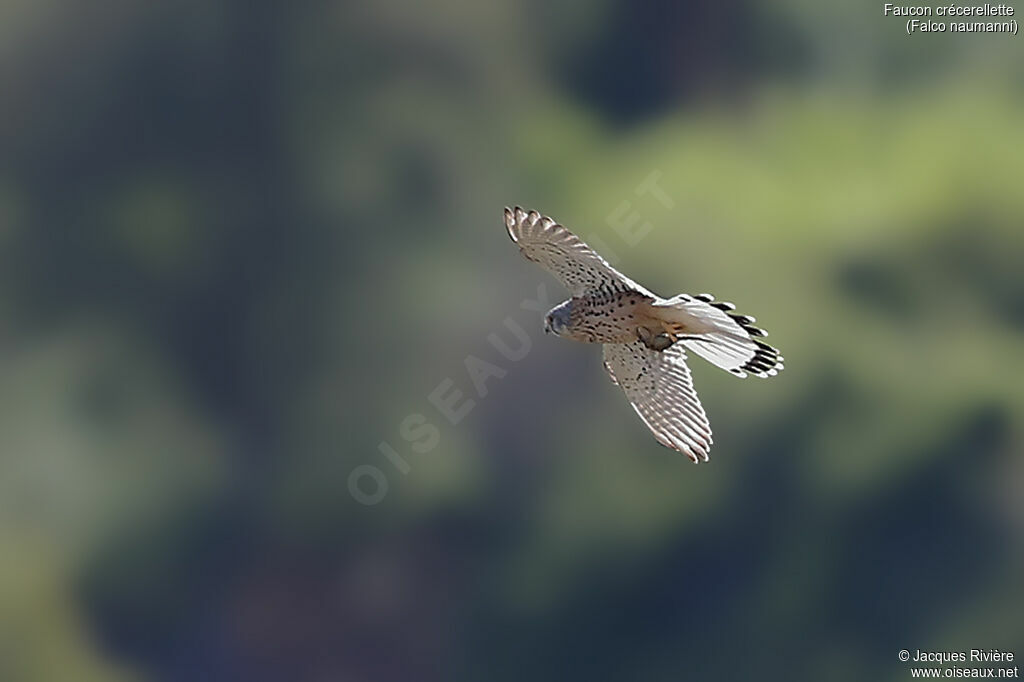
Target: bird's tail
x: 713, y: 331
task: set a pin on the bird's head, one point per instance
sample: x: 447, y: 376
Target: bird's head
x: 557, y: 319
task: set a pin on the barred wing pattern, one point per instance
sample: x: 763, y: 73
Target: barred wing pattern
x: 578, y: 267
x: 734, y: 344
x: 660, y: 389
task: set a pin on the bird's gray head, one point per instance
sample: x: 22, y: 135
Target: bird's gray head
x: 557, y: 319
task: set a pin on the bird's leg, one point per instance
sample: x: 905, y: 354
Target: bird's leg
x: 675, y: 331
x: 659, y: 342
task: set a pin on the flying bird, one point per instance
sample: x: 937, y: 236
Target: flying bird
x: 644, y: 337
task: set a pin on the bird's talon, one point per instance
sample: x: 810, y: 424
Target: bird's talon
x: 661, y: 342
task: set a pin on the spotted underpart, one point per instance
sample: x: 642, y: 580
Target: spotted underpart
x: 607, y: 316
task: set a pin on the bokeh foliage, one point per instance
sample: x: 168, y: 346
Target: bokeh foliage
x: 241, y: 242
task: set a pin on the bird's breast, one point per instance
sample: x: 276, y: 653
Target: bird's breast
x: 608, y: 318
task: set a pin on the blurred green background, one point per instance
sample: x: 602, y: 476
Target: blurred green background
x: 241, y: 243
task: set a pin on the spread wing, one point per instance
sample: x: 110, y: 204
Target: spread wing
x: 579, y: 268
x: 659, y: 387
